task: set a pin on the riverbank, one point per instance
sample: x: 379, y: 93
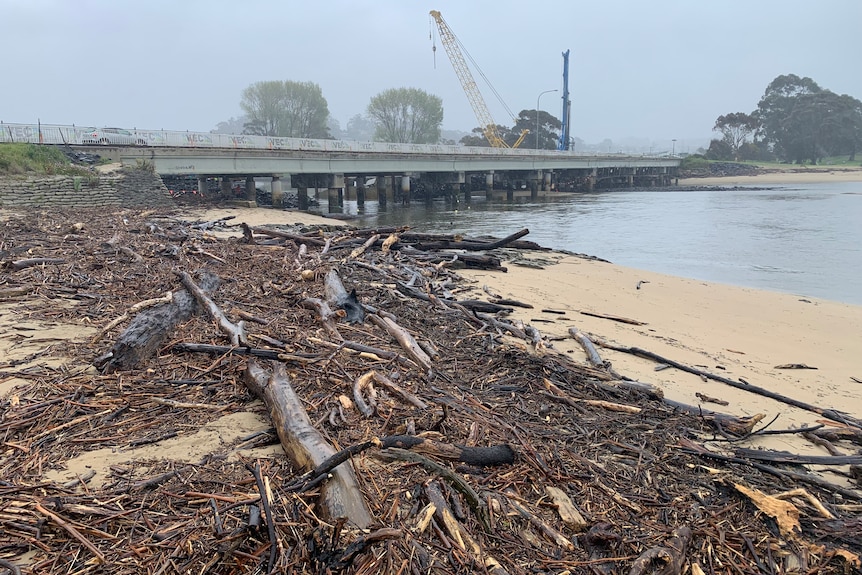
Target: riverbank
x: 791, y: 175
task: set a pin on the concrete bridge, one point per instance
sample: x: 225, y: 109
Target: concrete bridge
x: 375, y: 170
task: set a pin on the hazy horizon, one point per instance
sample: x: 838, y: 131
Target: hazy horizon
x: 654, y: 72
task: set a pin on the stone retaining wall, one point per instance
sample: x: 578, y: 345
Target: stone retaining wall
x: 127, y: 187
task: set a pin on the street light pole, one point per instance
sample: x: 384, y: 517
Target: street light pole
x: 537, y: 113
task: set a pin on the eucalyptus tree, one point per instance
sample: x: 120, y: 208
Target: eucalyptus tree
x: 285, y: 108
x: 736, y: 128
x: 406, y: 115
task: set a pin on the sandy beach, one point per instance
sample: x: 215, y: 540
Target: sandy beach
x: 792, y: 175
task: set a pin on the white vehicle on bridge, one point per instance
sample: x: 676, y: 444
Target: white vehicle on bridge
x: 116, y: 136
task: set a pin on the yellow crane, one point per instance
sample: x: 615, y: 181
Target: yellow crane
x: 486, y: 121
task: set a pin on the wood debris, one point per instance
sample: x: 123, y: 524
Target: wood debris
x: 469, y: 444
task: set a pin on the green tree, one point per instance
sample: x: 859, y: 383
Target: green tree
x: 719, y: 150
x: 547, y: 136
x: 287, y: 109
x: 261, y: 103
x: 360, y: 128
x: 406, y: 115
x: 805, y: 122
x: 779, y: 102
x: 736, y: 129
x: 849, y: 120
x: 549, y: 132
x: 477, y: 137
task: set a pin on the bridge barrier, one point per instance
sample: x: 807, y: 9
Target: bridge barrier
x: 76, y: 135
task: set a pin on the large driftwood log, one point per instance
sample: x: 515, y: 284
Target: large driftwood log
x: 473, y: 245
x: 457, y: 531
x: 832, y: 414
x: 407, y: 341
x: 592, y: 354
x: 304, y: 445
x: 28, y: 263
x: 150, y: 329
x: 296, y: 238
x: 235, y: 331
x: 501, y: 454
x: 666, y: 560
x: 328, y: 318
x: 337, y: 296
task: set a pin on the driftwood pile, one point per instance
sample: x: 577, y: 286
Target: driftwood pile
x: 423, y: 431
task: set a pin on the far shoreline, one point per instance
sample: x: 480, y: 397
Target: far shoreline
x: 797, y: 175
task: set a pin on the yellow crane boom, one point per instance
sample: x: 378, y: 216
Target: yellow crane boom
x: 486, y: 121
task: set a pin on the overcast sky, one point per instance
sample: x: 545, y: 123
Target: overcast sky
x: 658, y: 69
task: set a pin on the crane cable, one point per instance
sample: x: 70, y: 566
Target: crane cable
x: 432, y: 36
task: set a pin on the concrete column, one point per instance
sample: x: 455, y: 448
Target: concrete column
x: 592, y: 179
x: 534, y: 189
x: 546, y: 181
x: 226, y: 190
x: 360, y: 191
x: 336, y: 199
x: 202, y: 186
x: 250, y: 189
x: 489, y: 185
x: 277, y: 192
x: 302, y: 197
x: 510, y: 192
x: 465, y: 189
x: 382, y: 188
x: 630, y: 180
x: 405, y: 189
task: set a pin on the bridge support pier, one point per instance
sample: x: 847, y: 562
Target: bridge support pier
x: 202, y: 186
x: 465, y: 189
x: 383, y: 184
x: 489, y: 185
x: 360, y: 191
x: 302, y: 197
x: 534, y: 189
x: 405, y: 189
x: 546, y: 181
x: 250, y: 189
x: 277, y: 192
x: 335, y: 198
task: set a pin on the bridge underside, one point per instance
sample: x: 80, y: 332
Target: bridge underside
x: 394, y: 177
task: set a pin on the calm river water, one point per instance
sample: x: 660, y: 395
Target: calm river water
x: 800, y: 239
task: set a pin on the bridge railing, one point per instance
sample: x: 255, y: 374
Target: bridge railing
x: 82, y: 135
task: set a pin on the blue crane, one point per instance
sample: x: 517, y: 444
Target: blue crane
x: 563, y: 144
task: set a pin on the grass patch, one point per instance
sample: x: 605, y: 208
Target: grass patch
x: 33, y: 159
x: 694, y: 162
